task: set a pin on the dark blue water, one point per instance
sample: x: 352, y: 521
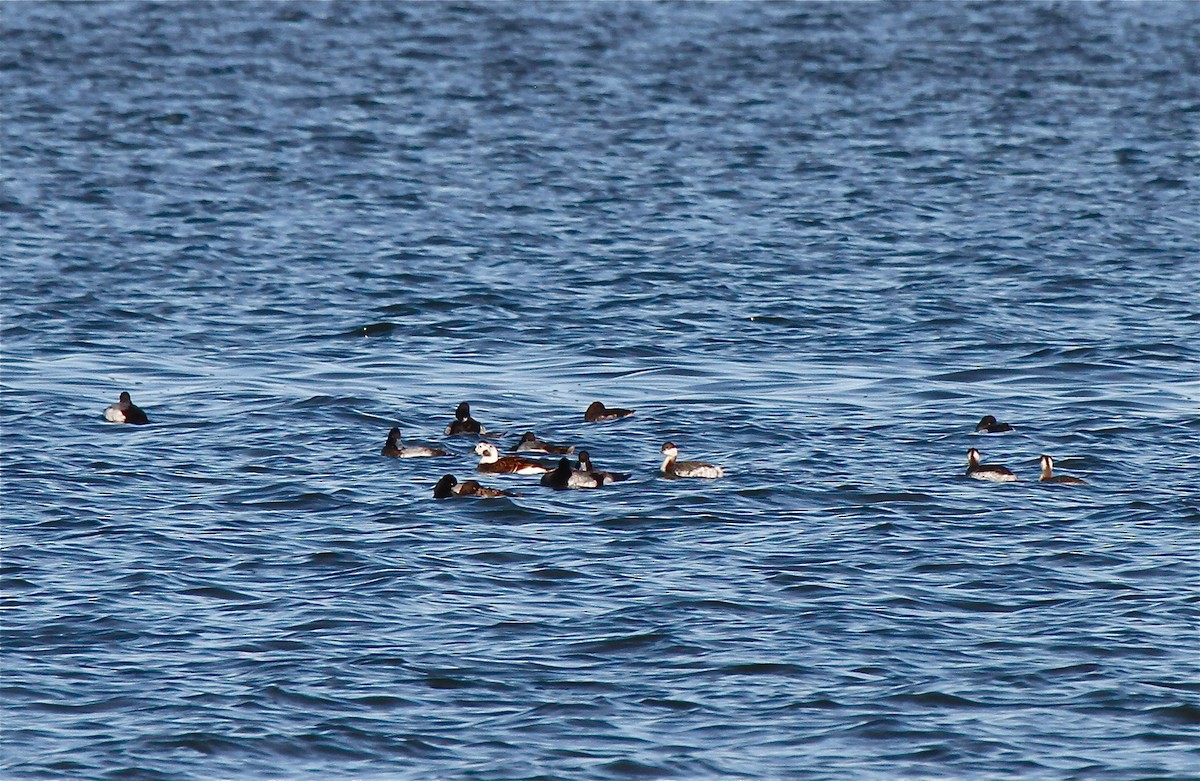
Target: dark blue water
x: 813, y: 243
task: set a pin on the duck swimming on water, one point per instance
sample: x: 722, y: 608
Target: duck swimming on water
x: 584, y: 464
x: 449, y: 486
x: 988, y: 425
x: 125, y: 411
x: 531, y: 444
x: 598, y: 413
x: 464, y: 423
x: 490, y: 460
x: 564, y: 477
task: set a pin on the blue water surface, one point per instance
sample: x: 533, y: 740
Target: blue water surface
x: 811, y: 242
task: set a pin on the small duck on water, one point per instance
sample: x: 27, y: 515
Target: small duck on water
x: 988, y: 425
x: 449, y: 486
x: 598, y: 413
x: 464, y: 423
x: 490, y: 460
x: 531, y: 444
x: 564, y: 477
x: 125, y: 411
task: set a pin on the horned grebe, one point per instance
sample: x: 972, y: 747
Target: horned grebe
x: 687, y: 468
x: 584, y: 464
x: 395, y: 449
x: 993, y: 472
x: 1048, y: 475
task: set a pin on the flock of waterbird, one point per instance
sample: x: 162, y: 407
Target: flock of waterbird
x: 1002, y: 474
x: 561, y: 476
x: 583, y: 474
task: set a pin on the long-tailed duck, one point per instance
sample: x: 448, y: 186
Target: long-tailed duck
x: 125, y: 411
x: 490, y: 460
x: 674, y: 468
x: 396, y: 449
x: 993, y: 472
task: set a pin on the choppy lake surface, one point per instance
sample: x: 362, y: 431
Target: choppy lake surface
x: 814, y: 243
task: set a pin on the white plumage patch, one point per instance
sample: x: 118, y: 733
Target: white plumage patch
x: 994, y: 476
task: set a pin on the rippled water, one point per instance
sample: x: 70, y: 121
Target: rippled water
x: 811, y: 242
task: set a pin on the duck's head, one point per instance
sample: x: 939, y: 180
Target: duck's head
x: 445, y: 486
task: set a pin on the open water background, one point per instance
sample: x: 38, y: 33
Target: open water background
x: 811, y: 242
